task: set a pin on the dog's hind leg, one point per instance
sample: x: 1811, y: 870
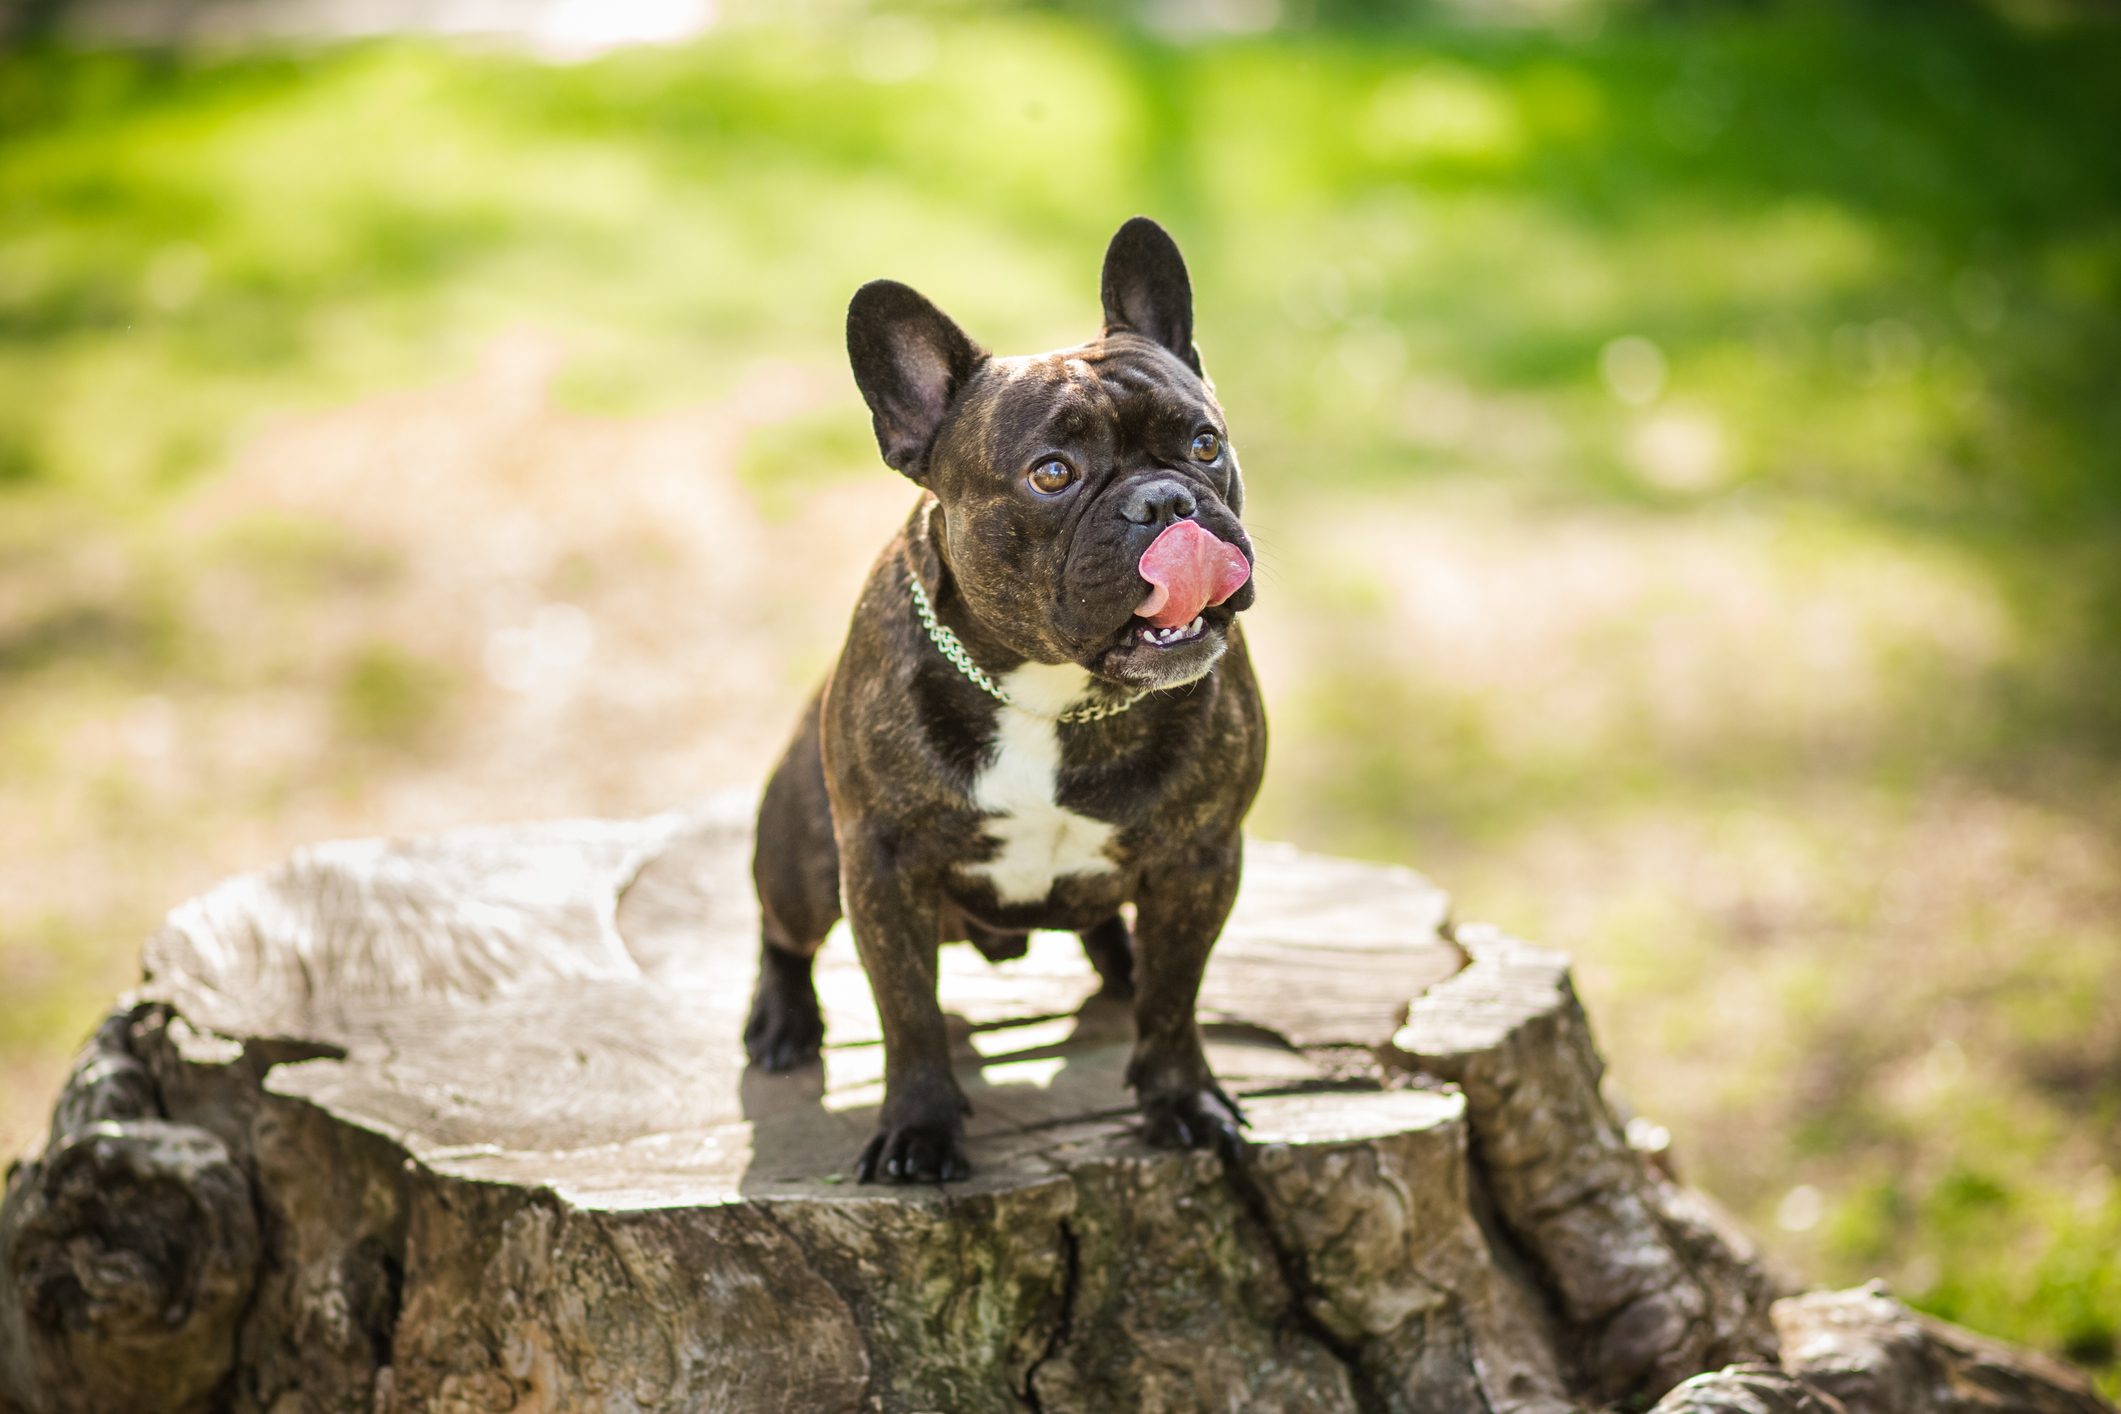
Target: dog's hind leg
x: 994, y: 944
x: 796, y: 868
x: 1111, y: 948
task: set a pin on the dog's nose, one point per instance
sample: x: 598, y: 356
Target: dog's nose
x: 1158, y: 502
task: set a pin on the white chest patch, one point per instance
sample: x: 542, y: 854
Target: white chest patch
x: 1036, y: 841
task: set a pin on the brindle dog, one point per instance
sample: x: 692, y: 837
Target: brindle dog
x: 1018, y: 734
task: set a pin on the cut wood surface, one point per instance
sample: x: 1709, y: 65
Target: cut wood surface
x: 463, y: 1123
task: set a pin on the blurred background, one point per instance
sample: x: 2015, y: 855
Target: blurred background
x: 1684, y: 445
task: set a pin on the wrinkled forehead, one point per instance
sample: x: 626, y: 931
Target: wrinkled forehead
x: 1123, y: 389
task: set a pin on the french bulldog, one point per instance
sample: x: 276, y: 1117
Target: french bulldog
x: 1043, y: 712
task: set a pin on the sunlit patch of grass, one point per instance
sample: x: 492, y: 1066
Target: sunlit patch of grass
x: 785, y: 462
x: 299, y: 556
x: 388, y: 697
x: 664, y: 206
x: 2028, y: 1254
x: 59, y: 971
x: 1548, y: 662
x: 93, y: 626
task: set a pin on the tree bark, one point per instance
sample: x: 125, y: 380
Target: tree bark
x: 463, y: 1124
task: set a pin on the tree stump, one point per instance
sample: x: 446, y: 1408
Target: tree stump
x: 463, y: 1124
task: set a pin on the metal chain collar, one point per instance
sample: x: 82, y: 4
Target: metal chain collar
x: 953, y: 648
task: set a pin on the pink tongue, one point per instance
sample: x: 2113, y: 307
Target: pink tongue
x: 1188, y: 569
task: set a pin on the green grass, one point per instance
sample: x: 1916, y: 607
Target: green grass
x: 390, y: 698
x: 1784, y: 682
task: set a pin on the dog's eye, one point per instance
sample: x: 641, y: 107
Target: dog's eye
x: 1207, y: 447
x: 1051, y: 478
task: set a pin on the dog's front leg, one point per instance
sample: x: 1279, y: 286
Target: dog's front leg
x: 920, y: 1135
x: 1180, y: 911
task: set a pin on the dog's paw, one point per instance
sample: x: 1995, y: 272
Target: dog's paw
x: 1194, y: 1119
x: 921, y: 1152
x: 785, y: 1028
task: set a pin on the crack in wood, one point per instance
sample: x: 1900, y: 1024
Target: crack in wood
x: 1063, y: 1326
x: 1303, y: 1292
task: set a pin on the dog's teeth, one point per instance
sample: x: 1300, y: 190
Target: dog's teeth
x: 1183, y: 633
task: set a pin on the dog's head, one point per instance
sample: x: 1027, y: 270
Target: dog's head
x: 1089, y: 496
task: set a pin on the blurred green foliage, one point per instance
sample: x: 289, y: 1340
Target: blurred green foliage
x: 391, y: 698
x: 1853, y: 273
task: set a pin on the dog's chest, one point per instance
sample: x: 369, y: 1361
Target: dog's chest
x: 1036, y: 839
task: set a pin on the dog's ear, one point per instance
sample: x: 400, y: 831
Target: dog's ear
x: 910, y: 362
x: 1146, y: 289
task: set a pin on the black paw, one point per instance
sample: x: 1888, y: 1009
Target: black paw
x: 914, y: 1153
x: 786, y: 1027
x: 1194, y: 1119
